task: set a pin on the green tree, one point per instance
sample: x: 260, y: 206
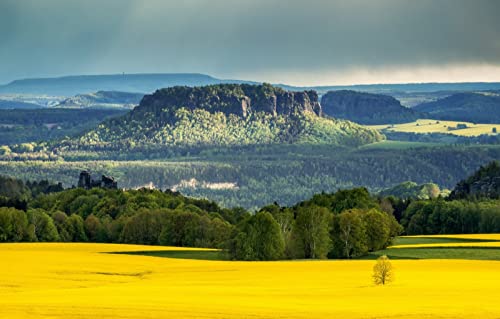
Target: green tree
x: 76, y: 228
x: 311, y: 231
x: 378, y: 229
x: 143, y: 228
x: 285, y: 219
x: 348, y: 235
x: 182, y: 228
x: 44, y: 228
x: 94, y: 229
x: 269, y: 241
x: 257, y: 238
x: 13, y: 225
x: 63, y: 228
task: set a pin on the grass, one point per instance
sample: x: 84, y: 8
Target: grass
x: 410, y: 240
x: 189, y: 254
x: 480, y: 253
x: 468, y: 247
x: 439, y: 126
x: 397, y: 145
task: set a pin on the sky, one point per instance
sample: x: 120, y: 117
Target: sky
x: 310, y: 42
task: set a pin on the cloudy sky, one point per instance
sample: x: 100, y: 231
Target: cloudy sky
x: 309, y: 42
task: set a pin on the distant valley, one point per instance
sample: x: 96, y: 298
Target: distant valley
x: 244, y: 144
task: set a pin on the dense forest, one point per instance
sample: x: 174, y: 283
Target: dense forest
x: 312, y: 229
x: 480, y: 107
x: 343, y: 224
x: 254, y: 176
x: 42, y: 125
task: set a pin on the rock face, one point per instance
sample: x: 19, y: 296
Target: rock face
x: 85, y: 181
x: 485, y: 183
x: 225, y: 115
x: 238, y: 99
x: 366, y: 108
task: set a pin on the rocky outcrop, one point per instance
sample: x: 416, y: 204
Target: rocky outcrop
x: 485, y: 183
x: 366, y: 108
x: 87, y: 182
x: 226, y: 115
x: 238, y: 99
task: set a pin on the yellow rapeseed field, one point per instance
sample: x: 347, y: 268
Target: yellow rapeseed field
x: 461, y: 236
x: 439, y: 126
x: 80, y: 281
x: 495, y: 241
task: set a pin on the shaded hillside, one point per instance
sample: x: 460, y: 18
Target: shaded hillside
x: 45, y: 124
x: 7, y: 104
x: 472, y: 107
x: 226, y: 114
x: 103, y: 99
x: 484, y: 183
x: 366, y: 108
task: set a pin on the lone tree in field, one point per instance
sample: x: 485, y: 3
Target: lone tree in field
x: 382, y: 271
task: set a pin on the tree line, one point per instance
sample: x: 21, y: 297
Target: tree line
x: 344, y: 224
x: 312, y: 229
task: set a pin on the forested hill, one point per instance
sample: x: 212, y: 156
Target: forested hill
x: 366, y: 108
x: 225, y: 114
x: 485, y: 183
x: 471, y: 107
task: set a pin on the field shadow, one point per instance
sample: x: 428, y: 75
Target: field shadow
x: 179, y: 254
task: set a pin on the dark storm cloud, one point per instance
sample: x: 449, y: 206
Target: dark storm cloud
x: 256, y: 38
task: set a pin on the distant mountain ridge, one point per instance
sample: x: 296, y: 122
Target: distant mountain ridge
x: 10, y: 104
x: 481, y: 107
x: 147, y: 83
x: 81, y: 84
x: 226, y: 114
x: 366, y: 108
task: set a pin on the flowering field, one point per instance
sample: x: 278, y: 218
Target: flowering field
x: 81, y: 281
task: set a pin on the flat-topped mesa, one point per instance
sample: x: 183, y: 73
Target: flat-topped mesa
x: 238, y: 99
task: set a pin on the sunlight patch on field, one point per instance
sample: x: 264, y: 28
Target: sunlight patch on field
x: 486, y: 237
x: 78, y: 281
x: 439, y: 126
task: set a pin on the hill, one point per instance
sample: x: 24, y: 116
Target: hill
x: 484, y: 183
x: 226, y: 114
x: 81, y: 84
x: 8, y: 104
x: 366, y: 108
x: 472, y: 107
x: 413, y: 190
x: 102, y: 99
x: 45, y: 124
x: 147, y: 83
